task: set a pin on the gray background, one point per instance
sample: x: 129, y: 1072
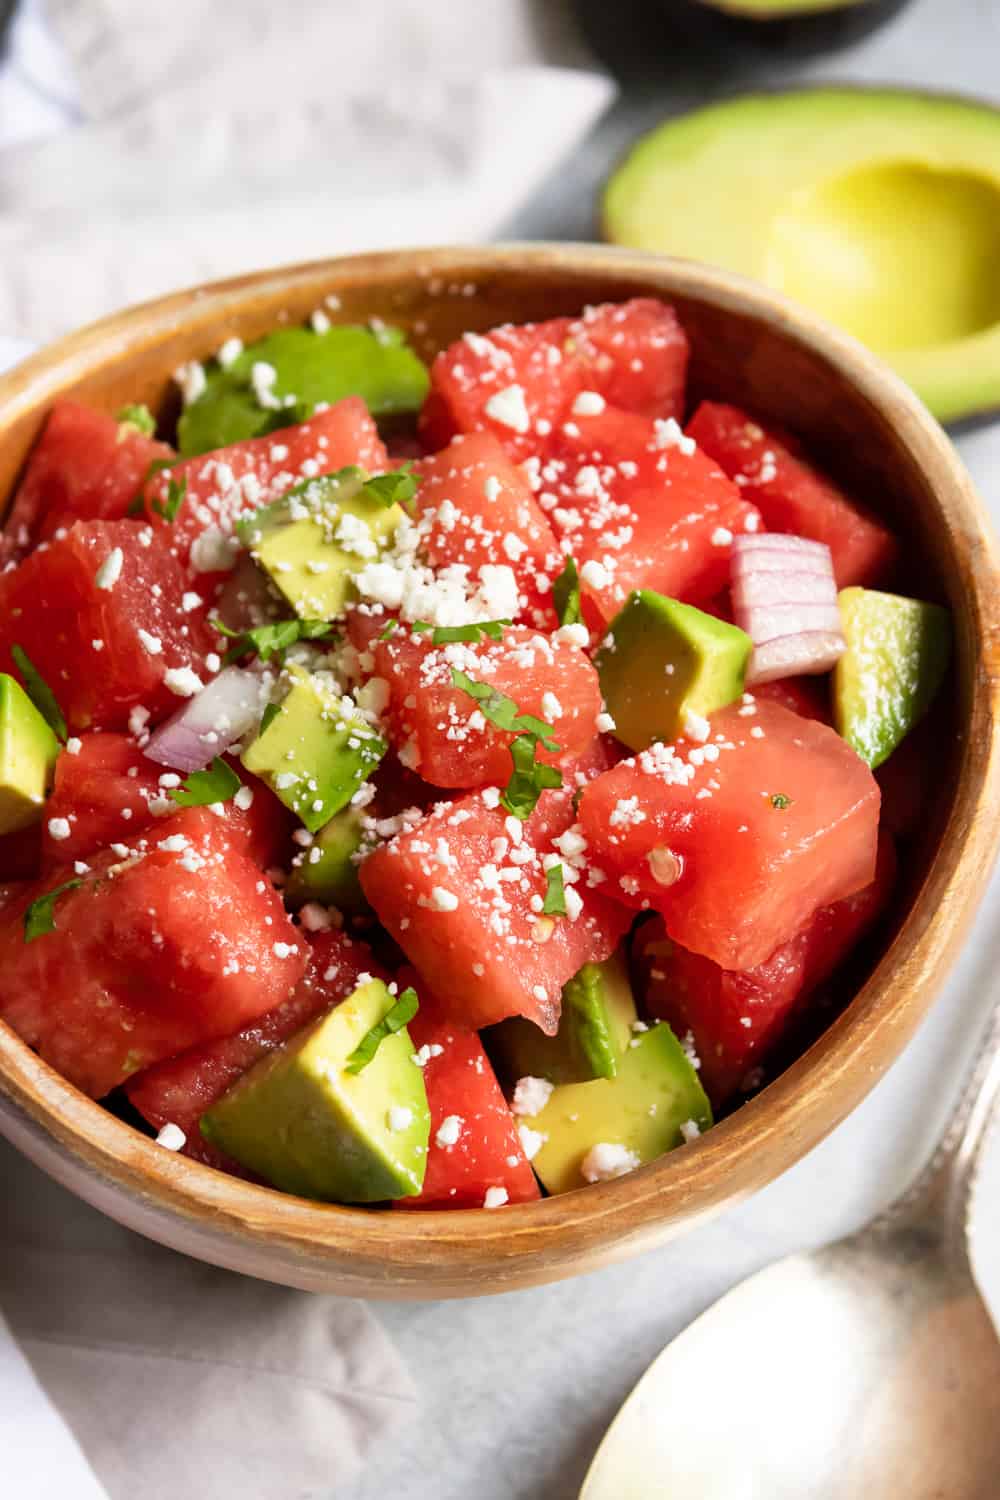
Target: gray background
x: 518, y: 1390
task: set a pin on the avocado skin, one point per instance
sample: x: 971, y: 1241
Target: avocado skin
x: 595, y: 1027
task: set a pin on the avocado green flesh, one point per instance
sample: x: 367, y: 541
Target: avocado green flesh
x: 325, y: 871
x: 897, y: 654
x: 662, y: 660
x: 310, y: 368
x: 315, y: 753
x: 28, y: 752
x: 879, y: 209
x: 595, y: 1028
x: 655, y: 1092
x: 307, y: 1126
x: 311, y: 541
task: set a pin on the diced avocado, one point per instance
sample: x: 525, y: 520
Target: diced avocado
x: 298, y: 1119
x: 325, y: 871
x: 301, y: 369
x: 655, y: 1092
x: 28, y: 751
x: 316, y: 536
x: 315, y: 751
x: 662, y: 661
x: 595, y: 1028
x: 897, y: 653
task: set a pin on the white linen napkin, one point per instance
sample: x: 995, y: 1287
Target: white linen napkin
x: 144, y: 149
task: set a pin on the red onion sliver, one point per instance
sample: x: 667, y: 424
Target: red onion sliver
x: 209, y: 723
x: 785, y: 597
x: 788, y: 655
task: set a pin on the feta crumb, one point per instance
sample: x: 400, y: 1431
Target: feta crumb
x: 315, y: 918
x: 670, y: 434
x: 191, y: 379
x: 399, y: 1117
x: 229, y: 352
x: 283, y: 950
x: 495, y: 1197
x: 449, y: 1131
x: 110, y: 570
x: 605, y: 724
x: 551, y: 707
x: 262, y: 380
x: 442, y: 900
x: 59, y: 828
x: 428, y: 1051
x: 721, y: 537
x: 73, y: 745
x: 509, y: 408
x: 183, y: 682
x: 175, y: 844
x: 151, y: 644
x: 696, y: 727
x: 531, y: 1095
x: 319, y: 322
x: 690, y: 1130
x: 244, y: 798
x: 572, y: 635
x: 532, y: 1141
x: 607, y: 1160
x: 588, y: 404
x: 491, y: 796
x: 190, y: 601
x: 172, y: 1137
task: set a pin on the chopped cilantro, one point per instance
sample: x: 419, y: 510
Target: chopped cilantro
x: 139, y: 417
x: 395, y: 488
x: 780, y: 801
x: 566, y: 594
x: 217, y: 784
x: 444, y: 635
x: 175, y: 499
x: 404, y: 1009
x: 265, y: 640
x: 530, y: 777
x: 268, y: 717
x: 39, y: 692
x: 40, y: 916
x: 389, y: 630
x: 503, y: 711
x: 555, y: 893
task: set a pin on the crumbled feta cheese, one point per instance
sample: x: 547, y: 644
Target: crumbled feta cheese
x: 229, y: 352
x: 110, y: 570
x: 214, y: 551
x: 262, y: 380
x: 551, y: 707
x: 73, y: 745
x: 59, y: 828
x: 604, y: 724
x: 588, y: 404
x: 191, y: 379
x: 283, y: 950
x: 721, y: 537
x: 690, y: 1130
x: 695, y: 726
x: 532, y: 1141
x: 574, y: 903
x: 495, y: 1197
x: 399, y: 1117
x: 607, y: 1160
x: 190, y: 600
x: 531, y: 1095
x: 172, y: 1137
x: 669, y: 434
x: 442, y: 900
x: 449, y: 1131
x: 244, y: 798
x: 319, y: 322
x: 509, y: 408
x: 572, y: 635
x: 183, y: 682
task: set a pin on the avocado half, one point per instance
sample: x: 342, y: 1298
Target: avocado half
x: 879, y: 209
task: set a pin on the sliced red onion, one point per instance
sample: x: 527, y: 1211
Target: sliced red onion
x: 210, y: 722
x: 785, y: 598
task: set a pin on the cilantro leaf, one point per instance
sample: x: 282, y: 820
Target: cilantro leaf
x: 404, y: 1009
x: 493, y: 629
x: 566, y: 594
x: 39, y: 692
x: 530, y: 777
x: 268, y: 717
x: 217, y: 784
x: 389, y: 630
x: 175, y: 499
x: 554, y: 904
x: 40, y: 916
x: 395, y: 488
x: 503, y: 711
x: 265, y: 640
x: 139, y: 417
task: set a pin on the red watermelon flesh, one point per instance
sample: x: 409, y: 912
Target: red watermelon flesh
x: 149, y: 956
x: 103, y: 651
x: 749, y: 831
x: 461, y: 893
x: 794, y: 496
x: 182, y: 1088
x: 735, y: 1018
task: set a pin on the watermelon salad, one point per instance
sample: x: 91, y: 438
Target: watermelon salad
x: 433, y: 788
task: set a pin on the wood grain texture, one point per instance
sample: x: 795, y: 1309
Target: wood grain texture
x: 749, y: 347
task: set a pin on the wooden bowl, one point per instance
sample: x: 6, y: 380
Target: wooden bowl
x: 750, y: 347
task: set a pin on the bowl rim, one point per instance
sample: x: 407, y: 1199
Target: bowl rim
x: 477, y: 1250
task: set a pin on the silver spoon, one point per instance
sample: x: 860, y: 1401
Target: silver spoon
x: 866, y: 1370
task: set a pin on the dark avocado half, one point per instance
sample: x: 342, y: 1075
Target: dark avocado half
x: 879, y: 209
x: 788, y: 26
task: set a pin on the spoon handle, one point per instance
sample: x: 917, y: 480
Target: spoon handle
x: 940, y: 1198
